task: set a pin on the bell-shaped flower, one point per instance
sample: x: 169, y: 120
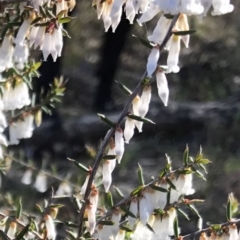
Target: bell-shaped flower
x: 116, y: 216
x: 27, y: 177
x: 111, y: 151
x: 129, y: 129
x: 91, y: 213
x: 133, y: 208
x: 145, y: 100
x: 206, y: 6
x: 119, y: 144
x: 94, y: 198
x: 160, y: 226
x: 221, y: 7
x: 182, y: 25
x: 32, y: 35
x: 51, y: 231
x: 12, y: 230
x: 115, y: 20
x: 173, y: 54
x: 104, y: 232
x: 160, y: 30
x: 84, y: 186
x: 116, y: 7
x: 22, y: 32
x: 152, y: 61
x: 149, y: 195
x: 38, y: 42
x: 41, y: 183
x: 191, y: 7
x: 120, y: 235
x: 170, y: 6
x: 20, y: 55
x: 57, y: 41
x: 148, y: 15
x: 172, y: 215
x: 61, y: 5
x: 162, y: 86
x: 144, y: 5
x: 144, y: 212
x: 130, y: 11
x: 107, y: 174
x: 161, y: 197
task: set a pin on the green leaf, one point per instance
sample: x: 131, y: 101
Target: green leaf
x: 124, y: 88
x: 79, y: 165
x: 118, y: 192
x: 106, y: 120
x: 125, y: 228
x: 23, y: 232
x: 183, y: 213
x: 36, y: 65
x: 61, y: 14
x: 107, y: 223
x: 109, y: 157
x: 129, y: 213
x: 168, y: 197
x: 193, y: 209
x: 204, y: 161
x: 203, y: 168
x: 19, y: 209
x: 42, y: 11
x: 36, y: 20
x: 162, y: 173
x: 71, y: 224
x: 65, y: 19
x: 39, y: 208
x: 171, y: 184
x: 55, y: 206
x: 183, y: 33
x: 175, y: 227
x: 141, y: 119
x: 65, y: 33
x: 140, y: 175
x: 150, y: 228
x: 143, y: 41
x: 168, y: 16
x: 157, y: 188
x: 136, y: 191
x: 186, y: 156
x: 109, y: 199
x: 77, y: 203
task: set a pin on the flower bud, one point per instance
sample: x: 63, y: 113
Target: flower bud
x: 12, y: 230
x: 119, y: 144
x: 51, y: 231
x: 162, y: 86
x: 27, y: 177
x: 41, y: 183
x: 152, y: 61
x: 145, y: 100
x: 129, y: 129
x: 107, y: 174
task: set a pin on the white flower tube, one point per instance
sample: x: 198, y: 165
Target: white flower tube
x: 145, y: 100
x: 130, y: 11
x: 144, y: 213
x: 116, y: 216
x: 58, y: 40
x: 6, y: 53
x: 107, y: 175
x: 172, y: 215
x: 221, y: 7
x: 111, y: 151
x: 64, y: 189
x: 183, y: 25
x: 119, y: 144
x: 41, y: 183
x: 91, y: 213
x: 116, y: 18
x: 129, y: 129
x: 162, y: 86
x: 173, y: 54
x: 51, y: 231
x: 32, y: 36
x: 12, y: 230
x: 120, y: 235
x: 22, y: 32
x: 94, y: 198
x: 206, y: 6
x: 116, y: 7
x: 84, y: 186
x: 133, y: 208
x: 152, y: 61
x: 27, y: 177
x: 39, y: 37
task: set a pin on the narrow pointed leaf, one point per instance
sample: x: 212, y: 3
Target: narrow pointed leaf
x: 136, y: 190
x: 23, y: 232
x: 125, y: 228
x: 79, y: 165
x: 19, y: 209
x: 150, y: 228
x: 186, y: 156
x: 183, y: 213
x: 124, y: 88
x: 65, y: 19
x: 39, y: 208
x: 118, y: 192
x: 182, y: 33
x: 170, y: 184
x: 109, y: 157
x: 157, y: 188
x: 143, y: 41
x: 229, y: 211
x: 106, y: 120
x: 109, y: 199
x: 175, y: 226
x: 140, y: 175
x: 141, y: 119
x: 107, y: 223
x: 129, y: 213
x: 76, y: 203
x: 193, y: 209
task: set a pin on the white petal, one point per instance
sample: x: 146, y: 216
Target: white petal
x: 162, y: 86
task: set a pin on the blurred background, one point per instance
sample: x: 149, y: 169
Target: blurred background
x: 203, y: 108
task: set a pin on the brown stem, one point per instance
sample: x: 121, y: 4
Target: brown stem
x: 110, y: 133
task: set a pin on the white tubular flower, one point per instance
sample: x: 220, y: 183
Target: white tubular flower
x: 13, y: 134
x: 116, y: 216
x: 145, y: 100
x: 107, y: 175
x: 91, y: 213
x: 172, y: 215
x: 161, y: 197
x: 206, y: 6
x: 130, y: 11
x: 140, y: 232
x: 21, y: 54
x: 149, y: 15
x: 116, y: 7
x: 183, y: 25
x: 144, y: 213
x: 119, y: 144
x: 57, y: 38
x: 39, y: 37
x: 187, y: 187
x: 160, y: 30
x: 152, y: 61
x: 94, y: 198
x: 6, y: 53
x: 47, y: 46
x: 12, y: 230
x: 133, y: 208
x: 120, y: 235
x: 27, y: 177
x: 22, y: 32
x: 3, y: 140
x: 191, y: 7
x: 116, y: 18
x: 61, y: 5
x: 149, y: 195
x: 200, y: 223
x: 162, y: 86
x: 129, y: 129
x: 233, y: 232
x: 32, y: 35
x: 173, y: 54
x: 144, y: 5
x: 105, y: 11
x: 64, y: 189
x: 51, y: 231
x: 221, y: 7
x: 111, y: 151
x: 170, y: 6
x: 84, y: 186
x: 41, y: 183
x: 104, y: 232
